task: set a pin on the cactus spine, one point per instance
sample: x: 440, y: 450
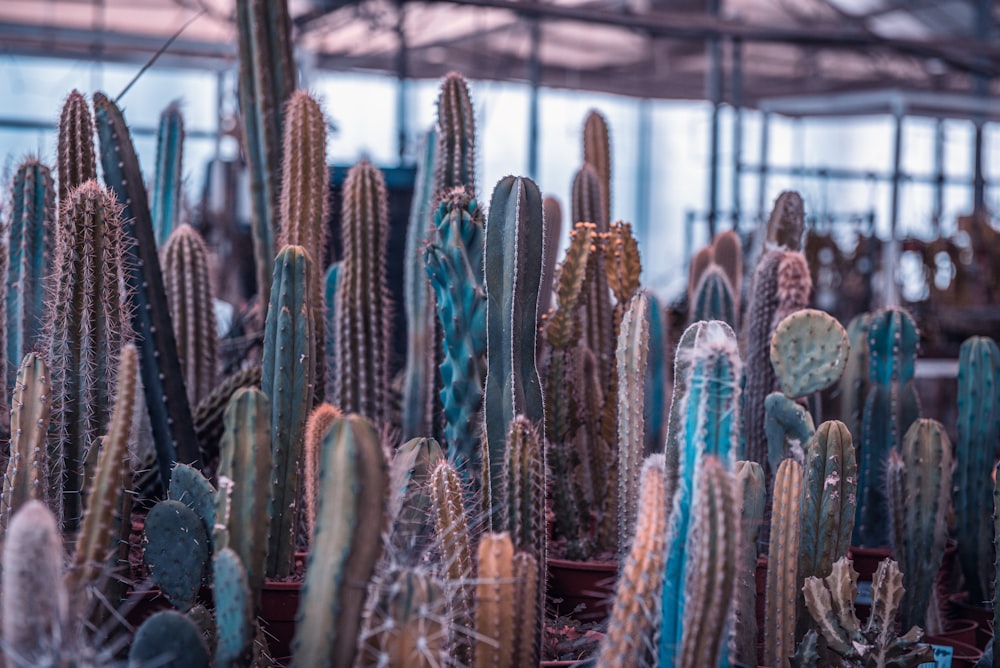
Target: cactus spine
x: 452, y: 528
x: 29, y: 422
x: 77, y: 161
x: 363, y: 308
x: 165, y: 207
x: 514, y: 243
x: 345, y: 544
x: 319, y: 423
x: 782, y: 565
x: 407, y: 623
x: 288, y: 381
x: 978, y: 434
x: 189, y: 299
x: 632, y: 346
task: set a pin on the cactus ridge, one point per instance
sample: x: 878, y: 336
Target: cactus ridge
x: 317, y: 426
x: 165, y: 207
x: 632, y: 348
x: 783, y: 581
x: 456, y: 136
x: 597, y: 152
x: 411, y: 520
x: 809, y: 350
x: 30, y: 410
x: 714, y: 298
x: 77, y: 160
x: 751, y: 497
x: 656, y: 407
x: 787, y: 221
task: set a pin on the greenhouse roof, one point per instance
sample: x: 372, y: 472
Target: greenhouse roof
x: 642, y: 48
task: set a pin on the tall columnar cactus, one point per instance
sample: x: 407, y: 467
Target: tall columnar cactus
x: 456, y: 137
x: 31, y: 239
x: 454, y: 266
x: 407, y: 625
x: 586, y: 203
x: 86, y: 326
x: 714, y: 298
x: 751, y: 496
x: 77, y: 161
x: 978, y: 434
x: 710, y: 580
x: 319, y: 423
x: 452, y: 528
x: 192, y: 311
x: 727, y: 253
x: 420, y: 376
x: 890, y: 408
x: 29, y: 423
x: 363, y: 307
x: 787, y: 221
x: 165, y: 207
x: 632, y: 347
x: 162, y: 380
x: 710, y: 424
x: 854, y: 383
x: 496, y: 589
x: 552, y: 211
x: 35, y: 602
x: 597, y: 152
x: 783, y: 581
x: 635, y: 616
x: 655, y: 393
x: 919, y: 490
x: 288, y: 380
x: 345, y: 544
x: 513, y: 263
x: 267, y: 79
x: 411, y: 521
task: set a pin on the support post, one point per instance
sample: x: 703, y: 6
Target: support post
x: 535, y: 75
x: 765, y: 136
x: 402, y: 74
x: 890, y: 256
x: 938, y: 211
x: 643, y: 223
x: 737, y: 85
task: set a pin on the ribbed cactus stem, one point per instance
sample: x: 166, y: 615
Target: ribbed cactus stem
x: 495, y: 602
x: 452, y: 528
x: 635, y: 616
x: 188, y: 284
x: 165, y: 204
x: 794, y: 286
x: 996, y: 557
x: 29, y: 423
x: 714, y: 298
x: 597, y: 152
x: 586, y: 203
x: 524, y: 473
x: 727, y: 253
x: 782, y: 565
x: 751, y: 497
x: 710, y: 580
x: 552, y: 211
x: 657, y: 361
x: 363, y: 316
x: 408, y: 622
x: 319, y: 423
x: 411, y: 520
x: 456, y: 136
x: 787, y: 221
x: 632, y: 347
x: 529, y: 609
x: 77, y: 160
x: 854, y: 382
x: 345, y: 544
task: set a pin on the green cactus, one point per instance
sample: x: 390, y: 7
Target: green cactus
x: 330, y: 330
x: 809, y: 351
x: 30, y: 410
x: 86, y: 326
x: 233, y: 610
x: 456, y: 136
x: 345, y: 544
x: 786, y: 423
x: 319, y: 423
x: 192, y: 312
x: 597, y: 152
x: 288, y: 380
x: 891, y: 407
x: 632, y: 347
x: 452, y: 528
x: 165, y: 207
x: 189, y: 486
x: 710, y: 578
x: 751, y: 496
x: 787, y: 221
x: 854, y: 383
x: 978, y: 434
x: 513, y: 261
x: 31, y: 238
x: 267, y: 79
x: 363, y: 309
x: 714, y: 298
x: 411, y: 522
x: 783, y: 581
x: 919, y: 494
x: 171, y: 640
x: 176, y: 551
x: 77, y: 162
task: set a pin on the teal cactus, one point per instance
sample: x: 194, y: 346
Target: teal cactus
x: 787, y: 221
x: 287, y: 380
x: 363, y: 309
x: 31, y: 237
x: 809, y: 351
x: 710, y: 577
x: 30, y: 410
x: 165, y: 207
x: 345, y: 544
x: 77, y: 161
x: 635, y: 616
x: 714, y: 298
x: 189, y: 486
x: 420, y: 375
x: 597, y: 152
x: 233, y: 610
x: 86, y: 327
x: 454, y: 263
x: 996, y: 554
x: 978, y: 434
x: 330, y: 330
x: 513, y: 261
x: 710, y: 426
x: 751, y: 496
x: 657, y: 360
x: 171, y: 640
x: 267, y: 79
x: 192, y: 311
x: 456, y: 136
x: 787, y: 423
x: 783, y: 581
x: 919, y: 490
x: 176, y: 551
x: 891, y: 407
x: 632, y: 349
x: 854, y: 382
x: 162, y: 380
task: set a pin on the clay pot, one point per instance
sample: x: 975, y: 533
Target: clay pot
x: 586, y: 589
x: 962, y: 630
x: 279, y: 603
x: 867, y: 559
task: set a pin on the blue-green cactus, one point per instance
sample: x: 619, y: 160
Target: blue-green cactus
x: 165, y: 207
x: 176, y: 551
x: 330, y: 328
x: 714, y: 298
x: 233, y: 610
x: 656, y: 407
x: 170, y: 640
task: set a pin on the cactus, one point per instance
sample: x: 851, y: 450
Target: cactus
x: 345, y: 544
x: 165, y: 207
x: 854, y: 383
x: 192, y: 312
x: 714, y: 298
x: 452, y: 528
x: 809, y: 351
x: 727, y: 253
x: 454, y: 266
x: 320, y: 421
x: 288, y: 381
x: 176, y: 551
x: 34, y: 600
x: 890, y: 408
x: 875, y: 645
x: 710, y: 426
x: 978, y: 434
x: 77, y: 162
x: 189, y: 486
x: 751, y: 496
x: 30, y: 244
x: 787, y: 221
x: 456, y: 136
x: 919, y: 491
x: 794, y: 284
x: 171, y: 640
x: 697, y: 267
x: 632, y: 346
x: 786, y: 424
x: 208, y: 414
x: 635, y: 616
x: 597, y: 152
x: 552, y: 211
x: 267, y: 79
x: 420, y: 376
x: 411, y: 522
x: 162, y: 381
x: 245, y: 466
x: 330, y: 325
x: 233, y: 610
x: 29, y: 422
x: 783, y: 582
x: 363, y: 311
x: 86, y: 326
x: 655, y: 393
x: 524, y: 476
x: 710, y: 578
x: 496, y: 611
x: 996, y: 557
x: 514, y: 243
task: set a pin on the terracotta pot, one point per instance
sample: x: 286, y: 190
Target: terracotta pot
x: 960, y: 608
x: 867, y: 559
x: 984, y: 635
x: 965, y: 656
x: 962, y: 630
x: 585, y: 589
x: 279, y: 603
